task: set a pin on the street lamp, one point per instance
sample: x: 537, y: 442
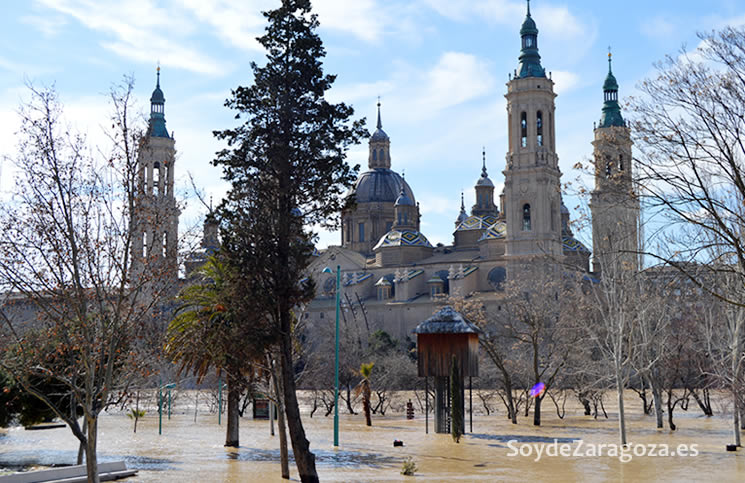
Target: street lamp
x: 336, y: 361
x: 160, y: 404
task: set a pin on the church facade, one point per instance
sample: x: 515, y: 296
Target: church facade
x: 392, y: 276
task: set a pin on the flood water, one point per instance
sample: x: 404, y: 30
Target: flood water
x: 193, y: 452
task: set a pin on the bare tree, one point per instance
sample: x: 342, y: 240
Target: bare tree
x: 689, y: 124
x: 74, y: 316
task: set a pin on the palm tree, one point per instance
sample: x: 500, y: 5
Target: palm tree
x: 204, y: 336
x: 364, y: 387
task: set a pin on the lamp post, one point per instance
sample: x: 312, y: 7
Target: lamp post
x: 160, y: 404
x: 336, y: 360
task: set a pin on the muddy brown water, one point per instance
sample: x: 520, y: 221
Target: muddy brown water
x: 193, y: 452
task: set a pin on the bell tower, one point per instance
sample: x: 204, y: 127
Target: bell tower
x: 155, y: 221
x: 614, y: 204
x: 532, y: 198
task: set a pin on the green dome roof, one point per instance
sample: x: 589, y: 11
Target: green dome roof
x: 530, y: 59
x: 610, y: 84
x: 611, y: 110
x: 529, y: 26
x: 157, y: 112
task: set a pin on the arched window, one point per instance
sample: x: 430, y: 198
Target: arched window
x: 375, y: 155
x: 382, y: 155
x: 165, y: 244
x: 165, y: 179
x: 144, y: 244
x: 523, y: 129
x: 608, y: 169
x: 361, y: 228
x: 156, y: 178
x: 526, y: 217
x: 620, y: 162
x: 539, y: 128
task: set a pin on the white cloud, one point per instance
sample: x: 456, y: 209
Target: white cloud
x: 237, y: 23
x: 364, y: 19
x: 564, y: 81
x: 142, y: 31
x: 457, y: 78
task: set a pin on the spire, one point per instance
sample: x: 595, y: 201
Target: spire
x: 380, y: 145
x: 484, y: 179
x: 530, y: 59
x: 157, y: 111
x: 380, y: 124
x: 483, y: 159
x: 462, y: 216
x: 611, y: 109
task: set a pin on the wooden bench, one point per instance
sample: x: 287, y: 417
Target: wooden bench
x: 71, y: 474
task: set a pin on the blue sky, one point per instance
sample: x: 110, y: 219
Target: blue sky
x: 440, y: 67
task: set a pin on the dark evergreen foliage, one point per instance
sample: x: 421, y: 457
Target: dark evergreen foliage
x: 286, y: 165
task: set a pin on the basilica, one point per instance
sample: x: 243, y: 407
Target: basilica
x: 392, y: 276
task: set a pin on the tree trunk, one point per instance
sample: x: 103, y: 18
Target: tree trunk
x: 736, y: 420
x: 657, y: 396
x: 82, y: 445
x: 304, y: 458
x: 670, y: 409
x: 234, y: 398
x: 349, y: 400
x: 621, y: 414
x: 586, y: 405
x: 284, y: 459
x: 366, y: 402
x: 511, y: 407
x: 137, y: 410
x: 91, y: 460
x: 537, y: 411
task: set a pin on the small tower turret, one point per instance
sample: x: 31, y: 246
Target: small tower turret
x: 406, y: 213
x: 530, y: 59
x: 484, y: 193
x: 380, y: 145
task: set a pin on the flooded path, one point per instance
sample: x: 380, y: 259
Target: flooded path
x: 188, y: 451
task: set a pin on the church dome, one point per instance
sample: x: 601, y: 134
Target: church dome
x: 497, y: 231
x: 610, y: 84
x: 158, y: 97
x: 379, y: 135
x: 476, y: 222
x: 380, y: 185
x: 403, y: 238
x: 484, y: 181
x: 529, y: 26
x: 403, y: 199
x: 571, y: 244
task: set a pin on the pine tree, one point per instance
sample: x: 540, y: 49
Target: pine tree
x: 456, y: 401
x: 286, y: 164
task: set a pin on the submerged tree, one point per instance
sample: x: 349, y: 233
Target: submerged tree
x: 66, y: 241
x: 364, y: 388
x: 689, y: 124
x: 205, y: 334
x: 286, y: 165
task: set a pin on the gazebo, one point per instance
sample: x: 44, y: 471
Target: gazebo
x: 445, y: 335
